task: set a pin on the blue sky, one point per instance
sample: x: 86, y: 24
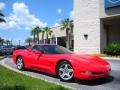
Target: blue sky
x: 23, y: 15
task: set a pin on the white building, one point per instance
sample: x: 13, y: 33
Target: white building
x: 57, y: 36
x: 96, y: 24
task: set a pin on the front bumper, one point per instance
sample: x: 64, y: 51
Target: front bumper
x: 93, y: 75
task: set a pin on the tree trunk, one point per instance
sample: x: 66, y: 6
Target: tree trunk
x: 38, y: 38
x: 70, y: 38
x: 67, y: 39
x: 42, y: 37
x: 34, y: 38
x: 46, y: 38
x: 29, y: 43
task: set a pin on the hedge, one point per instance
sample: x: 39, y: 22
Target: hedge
x: 113, y: 49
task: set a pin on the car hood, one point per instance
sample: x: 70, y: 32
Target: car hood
x: 88, y: 59
x: 89, y: 62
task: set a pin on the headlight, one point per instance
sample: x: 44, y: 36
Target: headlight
x: 108, y: 67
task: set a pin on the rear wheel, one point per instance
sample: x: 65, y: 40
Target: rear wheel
x: 20, y: 64
x: 65, y: 71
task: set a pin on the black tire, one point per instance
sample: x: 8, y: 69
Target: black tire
x: 20, y: 63
x: 66, y: 77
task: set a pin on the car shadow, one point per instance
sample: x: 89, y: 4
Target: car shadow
x: 96, y: 82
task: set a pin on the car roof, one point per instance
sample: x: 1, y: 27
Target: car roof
x: 43, y: 44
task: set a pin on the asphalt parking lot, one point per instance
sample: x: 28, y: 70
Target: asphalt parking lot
x: 110, y: 83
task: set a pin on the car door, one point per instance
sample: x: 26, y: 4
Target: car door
x: 34, y: 58
x: 42, y: 60
x: 45, y: 62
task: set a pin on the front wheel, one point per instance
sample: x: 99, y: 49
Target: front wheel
x: 65, y: 71
x: 20, y: 64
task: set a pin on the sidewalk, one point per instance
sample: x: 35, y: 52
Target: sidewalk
x: 110, y: 58
x: 1, y: 57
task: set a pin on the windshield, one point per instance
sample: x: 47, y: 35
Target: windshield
x: 55, y: 49
x: 20, y: 47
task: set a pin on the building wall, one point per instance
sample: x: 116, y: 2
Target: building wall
x: 108, y: 17
x: 105, y: 13
x: 86, y: 21
x: 114, y: 34
x: 57, y: 32
x: 90, y: 17
x: 103, y: 36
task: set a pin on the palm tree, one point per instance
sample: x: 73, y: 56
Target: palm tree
x: 2, y: 41
x: 43, y: 33
x: 38, y: 30
x: 7, y: 42
x: 35, y: 32
x: 1, y: 17
x: 29, y: 41
x: 47, y: 30
x: 50, y: 33
x: 67, y: 25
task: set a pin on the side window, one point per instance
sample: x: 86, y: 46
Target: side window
x: 34, y: 49
x: 37, y: 48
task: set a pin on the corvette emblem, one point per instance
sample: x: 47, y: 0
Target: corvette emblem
x: 114, y: 1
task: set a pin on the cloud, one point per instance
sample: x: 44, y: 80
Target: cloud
x: 56, y: 24
x: 2, y: 5
x: 71, y: 14
x: 59, y: 11
x: 21, y: 18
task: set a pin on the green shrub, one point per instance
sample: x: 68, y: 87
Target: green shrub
x: 113, y: 49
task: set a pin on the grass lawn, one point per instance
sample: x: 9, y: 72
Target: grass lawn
x: 10, y: 80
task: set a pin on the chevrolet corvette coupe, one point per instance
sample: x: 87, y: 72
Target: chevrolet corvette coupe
x: 59, y: 61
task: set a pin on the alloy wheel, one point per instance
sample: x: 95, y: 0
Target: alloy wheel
x: 20, y: 63
x: 65, y: 72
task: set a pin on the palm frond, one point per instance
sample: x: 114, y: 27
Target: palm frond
x: 1, y: 14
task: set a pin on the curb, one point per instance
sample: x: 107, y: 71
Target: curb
x: 2, y: 58
x: 110, y: 58
x: 5, y: 65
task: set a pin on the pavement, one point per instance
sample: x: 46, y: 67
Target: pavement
x: 110, y: 83
x: 110, y: 58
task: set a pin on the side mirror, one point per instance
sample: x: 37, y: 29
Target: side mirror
x: 38, y: 52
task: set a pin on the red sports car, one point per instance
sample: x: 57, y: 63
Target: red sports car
x: 57, y: 60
